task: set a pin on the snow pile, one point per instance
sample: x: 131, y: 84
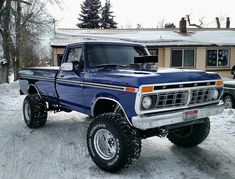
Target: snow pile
x: 58, y: 150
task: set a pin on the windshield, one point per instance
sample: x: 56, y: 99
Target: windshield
x: 99, y: 55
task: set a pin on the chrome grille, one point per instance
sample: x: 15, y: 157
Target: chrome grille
x: 201, y: 95
x: 171, y: 99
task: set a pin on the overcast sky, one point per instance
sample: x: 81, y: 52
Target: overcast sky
x: 150, y: 13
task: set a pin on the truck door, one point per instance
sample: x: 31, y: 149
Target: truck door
x: 69, y: 83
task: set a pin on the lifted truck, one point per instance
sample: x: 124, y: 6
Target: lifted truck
x: 128, y: 97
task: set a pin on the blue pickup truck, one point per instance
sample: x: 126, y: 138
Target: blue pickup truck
x: 128, y: 97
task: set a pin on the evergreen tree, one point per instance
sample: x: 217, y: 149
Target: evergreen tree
x: 107, y: 21
x: 89, y: 17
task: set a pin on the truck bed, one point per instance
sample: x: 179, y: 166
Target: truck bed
x: 41, y: 77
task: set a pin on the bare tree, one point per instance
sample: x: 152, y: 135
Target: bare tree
x: 161, y: 23
x: 31, y: 24
x: 6, y: 36
x: 22, y: 25
x: 138, y: 26
x: 18, y: 33
x: 1, y: 4
x: 128, y: 25
x: 195, y: 25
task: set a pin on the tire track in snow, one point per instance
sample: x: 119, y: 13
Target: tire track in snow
x: 59, y: 150
x: 15, y: 157
x: 205, y: 161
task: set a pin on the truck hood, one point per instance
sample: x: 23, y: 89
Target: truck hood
x: 134, y: 78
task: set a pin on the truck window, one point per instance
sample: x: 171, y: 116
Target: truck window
x: 113, y: 54
x: 75, y: 54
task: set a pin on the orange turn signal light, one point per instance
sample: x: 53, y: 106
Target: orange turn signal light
x: 130, y: 89
x: 146, y: 89
x: 219, y: 83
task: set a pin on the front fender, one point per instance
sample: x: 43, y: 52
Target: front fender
x: 125, y: 100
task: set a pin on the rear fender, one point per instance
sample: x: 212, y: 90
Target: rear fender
x: 32, y: 89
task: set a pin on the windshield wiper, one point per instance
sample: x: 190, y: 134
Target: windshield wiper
x: 111, y: 65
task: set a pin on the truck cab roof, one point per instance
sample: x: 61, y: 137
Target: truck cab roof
x: 120, y: 43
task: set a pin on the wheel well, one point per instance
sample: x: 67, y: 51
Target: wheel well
x: 32, y: 90
x: 104, y: 106
x: 227, y: 94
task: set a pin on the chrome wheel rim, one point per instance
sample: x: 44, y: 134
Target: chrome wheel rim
x: 27, y: 112
x: 105, y: 144
x: 228, y: 103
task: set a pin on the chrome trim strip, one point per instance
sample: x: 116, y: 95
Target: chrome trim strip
x: 61, y: 81
x: 187, y: 82
x: 73, y: 82
x: 97, y: 99
x: 88, y: 84
x: 160, y: 120
x: 122, y: 88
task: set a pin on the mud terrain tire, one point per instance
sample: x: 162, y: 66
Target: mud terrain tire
x: 229, y: 102
x: 190, y: 136
x: 34, y: 111
x: 112, y: 143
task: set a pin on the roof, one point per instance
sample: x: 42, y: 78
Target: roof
x: 149, y: 37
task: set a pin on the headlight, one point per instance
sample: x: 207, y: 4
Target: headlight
x: 147, y: 102
x: 215, y: 94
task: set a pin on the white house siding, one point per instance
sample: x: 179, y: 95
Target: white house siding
x: 201, y: 58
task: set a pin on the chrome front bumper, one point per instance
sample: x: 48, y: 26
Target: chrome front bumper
x: 159, y: 120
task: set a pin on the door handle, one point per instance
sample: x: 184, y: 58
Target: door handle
x: 61, y: 75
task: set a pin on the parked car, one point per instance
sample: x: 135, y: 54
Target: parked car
x: 229, y: 93
x: 128, y: 97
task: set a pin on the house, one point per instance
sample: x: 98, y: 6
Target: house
x: 209, y: 49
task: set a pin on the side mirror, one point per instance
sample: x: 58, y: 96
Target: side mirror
x: 66, y: 67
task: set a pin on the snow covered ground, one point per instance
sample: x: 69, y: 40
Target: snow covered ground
x: 59, y: 151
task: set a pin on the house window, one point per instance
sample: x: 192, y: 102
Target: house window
x: 59, y: 59
x: 183, y: 58
x: 153, y: 52
x: 217, y: 58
